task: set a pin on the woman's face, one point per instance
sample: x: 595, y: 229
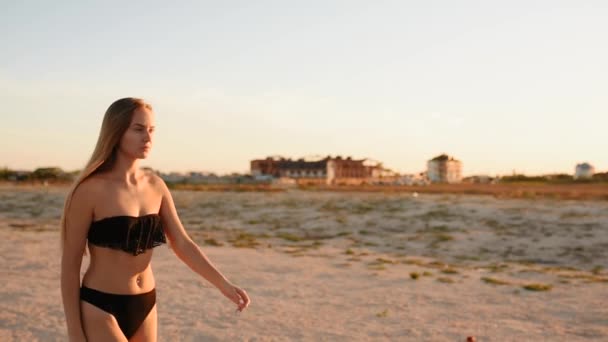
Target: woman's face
x: 137, y: 140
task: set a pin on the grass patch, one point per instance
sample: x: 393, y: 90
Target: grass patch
x: 414, y: 262
x: 450, y: 271
x: 385, y: 261
x: 382, y: 314
x: 244, y: 240
x: 588, y: 277
x: 497, y: 267
x: 213, y: 242
x: 379, y: 263
x: 495, y: 281
x: 341, y: 219
x: 445, y: 280
x: 537, y: 287
x: 439, y: 238
x: 492, y: 223
x: 443, y: 237
x: 254, y: 221
x: 414, y: 275
x: 597, y: 269
x: 331, y: 207
x: 437, y: 214
x: 376, y: 267
x: 438, y: 229
x: 361, y: 208
x: 289, y: 237
x: 467, y: 257
x: 371, y: 223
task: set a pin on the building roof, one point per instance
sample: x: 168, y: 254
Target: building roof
x: 585, y: 166
x: 443, y: 157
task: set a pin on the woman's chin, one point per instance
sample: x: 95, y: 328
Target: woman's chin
x: 143, y: 155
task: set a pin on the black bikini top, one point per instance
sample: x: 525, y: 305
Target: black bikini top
x: 132, y: 234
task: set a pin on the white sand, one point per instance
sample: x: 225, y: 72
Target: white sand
x: 323, y: 293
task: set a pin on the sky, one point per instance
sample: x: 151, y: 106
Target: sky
x: 502, y: 86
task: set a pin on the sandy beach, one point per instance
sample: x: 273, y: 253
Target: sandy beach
x: 341, y: 267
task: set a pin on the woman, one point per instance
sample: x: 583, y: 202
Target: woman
x: 123, y: 212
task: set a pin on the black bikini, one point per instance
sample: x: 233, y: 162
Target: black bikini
x: 134, y: 235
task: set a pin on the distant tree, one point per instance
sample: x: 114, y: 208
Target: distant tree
x: 561, y: 178
x: 47, y: 173
x: 601, y: 177
x: 522, y: 178
x: 6, y: 173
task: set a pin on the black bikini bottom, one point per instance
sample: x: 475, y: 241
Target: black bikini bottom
x: 129, y: 310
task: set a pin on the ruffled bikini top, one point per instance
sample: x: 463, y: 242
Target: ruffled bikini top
x: 132, y: 234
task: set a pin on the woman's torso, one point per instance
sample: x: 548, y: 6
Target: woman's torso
x: 114, y: 270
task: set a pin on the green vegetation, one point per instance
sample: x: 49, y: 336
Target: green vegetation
x: 554, y: 179
x: 597, y: 269
x: 289, y: 237
x: 382, y: 314
x: 537, y: 287
x: 39, y: 174
x: 495, y: 281
x: 244, y: 240
x: 213, y: 242
x: 445, y: 280
x: 450, y: 271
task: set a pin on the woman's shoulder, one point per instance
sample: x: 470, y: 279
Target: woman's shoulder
x: 90, y: 186
x: 154, y: 180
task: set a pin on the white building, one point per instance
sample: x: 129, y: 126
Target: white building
x: 584, y: 171
x: 413, y: 179
x: 444, y: 169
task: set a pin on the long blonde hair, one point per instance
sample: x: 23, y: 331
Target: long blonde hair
x: 115, y: 123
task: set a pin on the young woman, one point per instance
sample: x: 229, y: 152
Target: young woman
x: 123, y: 212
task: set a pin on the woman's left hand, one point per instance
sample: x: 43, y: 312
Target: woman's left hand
x: 235, y: 294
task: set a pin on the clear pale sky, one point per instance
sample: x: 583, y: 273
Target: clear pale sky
x: 499, y: 85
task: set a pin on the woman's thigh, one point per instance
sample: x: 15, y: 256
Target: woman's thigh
x: 148, y: 329
x: 99, y: 325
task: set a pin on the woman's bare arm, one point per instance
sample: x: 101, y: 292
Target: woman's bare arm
x: 79, y: 218
x: 192, y: 255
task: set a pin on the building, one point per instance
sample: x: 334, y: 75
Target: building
x: 444, y: 169
x: 328, y: 170
x: 282, y: 167
x: 584, y: 171
x: 478, y: 179
x: 419, y: 178
x: 348, y: 171
x: 301, y: 171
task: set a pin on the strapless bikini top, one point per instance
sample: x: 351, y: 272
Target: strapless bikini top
x: 132, y: 234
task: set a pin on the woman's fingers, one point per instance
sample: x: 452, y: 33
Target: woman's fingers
x: 243, y: 300
x: 237, y: 295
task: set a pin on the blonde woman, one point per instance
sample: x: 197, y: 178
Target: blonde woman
x: 123, y: 212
